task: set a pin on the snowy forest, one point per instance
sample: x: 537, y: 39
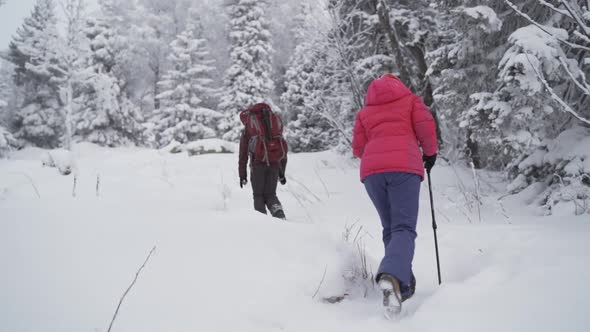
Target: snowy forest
x: 505, y: 79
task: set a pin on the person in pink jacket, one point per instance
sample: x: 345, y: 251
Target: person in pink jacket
x: 395, y: 138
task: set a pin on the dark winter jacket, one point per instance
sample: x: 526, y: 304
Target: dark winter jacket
x: 245, y: 155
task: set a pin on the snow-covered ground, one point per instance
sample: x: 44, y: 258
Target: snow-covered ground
x: 67, y: 254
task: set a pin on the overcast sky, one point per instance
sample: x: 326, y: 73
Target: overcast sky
x: 12, y: 15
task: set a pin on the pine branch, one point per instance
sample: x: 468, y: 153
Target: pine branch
x: 554, y: 95
x: 544, y: 29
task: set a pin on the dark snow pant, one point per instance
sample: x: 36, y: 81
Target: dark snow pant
x: 264, y: 185
x: 396, y: 196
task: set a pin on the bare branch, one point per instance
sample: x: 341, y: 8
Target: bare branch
x: 554, y: 95
x: 575, y: 15
x: 583, y: 86
x: 555, y: 9
x: 544, y: 29
x: 131, y: 286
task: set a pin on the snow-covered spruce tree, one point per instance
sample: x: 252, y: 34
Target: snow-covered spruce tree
x: 8, y: 93
x: 248, y: 80
x: 464, y: 64
x: 7, y: 141
x: 129, y: 63
x: 520, y: 114
x: 36, y: 52
x: 106, y: 116
x: 546, y: 81
x: 307, y: 88
x: 186, y: 89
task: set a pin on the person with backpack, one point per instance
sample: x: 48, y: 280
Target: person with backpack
x: 262, y: 143
x: 395, y: 137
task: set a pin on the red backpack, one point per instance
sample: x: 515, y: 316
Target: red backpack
x: 265, y: 129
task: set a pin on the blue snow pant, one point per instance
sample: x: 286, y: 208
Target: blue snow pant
x: 396, y: 196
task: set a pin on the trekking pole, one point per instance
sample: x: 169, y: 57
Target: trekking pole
x: 434, y: 227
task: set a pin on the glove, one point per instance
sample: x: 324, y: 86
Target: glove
x: 429, y: 162
x: 283, y: 180
x: 243, y: 182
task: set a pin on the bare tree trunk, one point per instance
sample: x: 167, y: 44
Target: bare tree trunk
x: 156, y: 87
x: 473, y: 150
x: 396, y: 48
x: 426, y: 88
x: 419, y: 56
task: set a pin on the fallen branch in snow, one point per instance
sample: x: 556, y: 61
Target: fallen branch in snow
x: 292, y: 179
x: 30, y: 181
x: 300, y: 202
x: 321, y: 283
x: 335, y: 299
x: 317, y: 172
x: 554, y: 95
x: 131, y: 286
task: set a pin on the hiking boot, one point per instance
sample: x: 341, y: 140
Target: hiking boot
x: 392, y: 298
x: 412, y: 289
x: 277, y: 211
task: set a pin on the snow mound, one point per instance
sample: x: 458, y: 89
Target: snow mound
x: 207, y: 146
x: 68, y: 259
x: 204, y: 146
x: 61, y: 159
x: 567, y: 160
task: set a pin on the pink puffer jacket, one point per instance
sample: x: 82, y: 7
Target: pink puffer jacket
x: 392, y: 128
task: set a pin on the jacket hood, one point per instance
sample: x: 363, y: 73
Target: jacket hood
x: 386, y: 90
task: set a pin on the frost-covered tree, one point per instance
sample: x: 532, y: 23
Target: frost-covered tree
x: 187, y: 95
x: 7, y: 141
x: 7, y: 93
x: 128, y: 63
x: 248, y: 80
x: 36, y: 52
x: 155, y: 26
x: 74, y: 55
x: 367, y: 39
x: 307, y: 91
x: 106, y: 116
x: 465, y: 64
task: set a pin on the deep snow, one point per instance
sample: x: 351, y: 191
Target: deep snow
x: 66, y: 259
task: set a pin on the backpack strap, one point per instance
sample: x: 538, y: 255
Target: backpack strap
x: 254, y: 123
